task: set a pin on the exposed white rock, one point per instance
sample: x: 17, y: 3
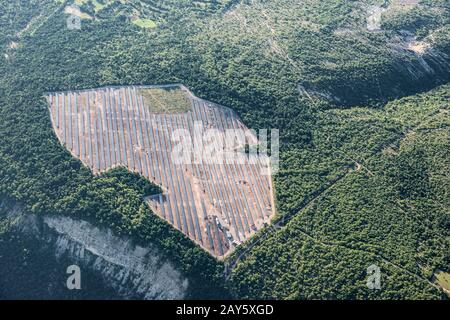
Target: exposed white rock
x: 374, y: 18
x: 419, y: 47
x: 133, y: 271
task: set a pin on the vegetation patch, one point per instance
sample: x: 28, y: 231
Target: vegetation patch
x: 443, y: 279
x: 165, y: 100
x: 145, y: 23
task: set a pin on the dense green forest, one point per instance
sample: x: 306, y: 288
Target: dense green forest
x: 364, y: 167
x: 389, y: 206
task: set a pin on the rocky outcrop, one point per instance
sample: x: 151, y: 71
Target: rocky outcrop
x: 134, y: 272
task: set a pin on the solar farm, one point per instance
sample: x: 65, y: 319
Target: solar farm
x: 217, y: 205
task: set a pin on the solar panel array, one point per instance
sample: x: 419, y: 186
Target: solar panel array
x: 217, y: 205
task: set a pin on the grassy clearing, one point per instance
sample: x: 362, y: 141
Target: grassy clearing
x: 98, y: 6
x: 443, y: 280
x: 145, y: 23
x: 165, y: 100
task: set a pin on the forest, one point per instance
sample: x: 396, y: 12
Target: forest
x: 363, y: 120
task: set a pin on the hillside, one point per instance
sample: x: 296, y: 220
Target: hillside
x: 388, y: 205
x: 358, y: 89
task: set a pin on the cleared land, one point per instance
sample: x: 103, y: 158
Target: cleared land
x: 145, y: 23
x: 165, y: 100
x: 217, y: 205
